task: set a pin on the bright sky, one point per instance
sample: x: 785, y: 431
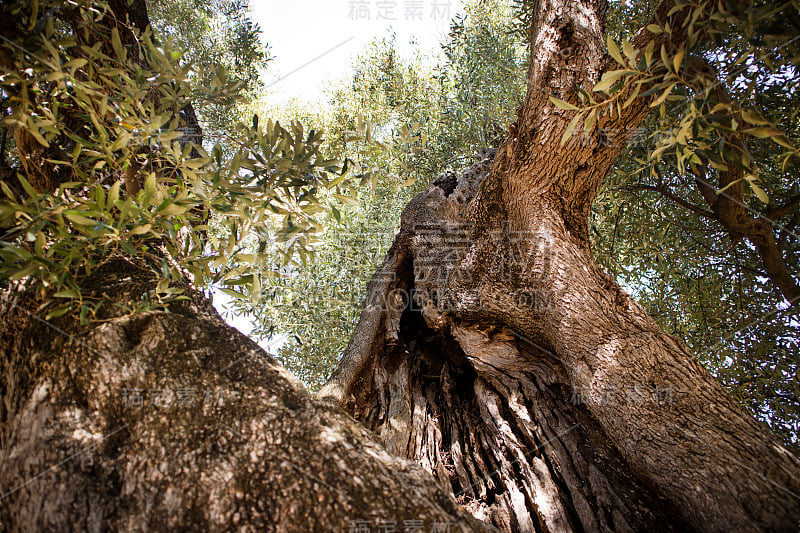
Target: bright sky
x: 315, y: 41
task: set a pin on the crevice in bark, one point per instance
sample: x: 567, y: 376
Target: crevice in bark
x: 498, y: 425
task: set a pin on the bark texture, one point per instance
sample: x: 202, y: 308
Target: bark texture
x: 512, y: 368
x: 493, y: 352
x: 493, y: 349
x: 172, y: 420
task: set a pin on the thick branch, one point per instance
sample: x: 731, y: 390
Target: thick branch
x: 172, y: 420
x: 537, y: 297
x: 568, y: 51
x: 732, y: 215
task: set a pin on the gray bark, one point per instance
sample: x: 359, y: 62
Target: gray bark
x: 520, y: 372
x: 172, y: 420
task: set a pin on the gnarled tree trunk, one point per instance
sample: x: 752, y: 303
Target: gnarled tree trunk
x: 494, y: 351
x: 172, y: 420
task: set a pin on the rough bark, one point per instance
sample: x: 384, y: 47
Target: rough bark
x: 492, y: 350
x: 510, y: 366
x: 495, y: 351
x: 172, y: 420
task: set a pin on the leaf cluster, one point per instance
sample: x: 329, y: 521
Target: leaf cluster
x: 106, y: 165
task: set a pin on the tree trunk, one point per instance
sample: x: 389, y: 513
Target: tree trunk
x: 494, y: 351
x: 172, y: 420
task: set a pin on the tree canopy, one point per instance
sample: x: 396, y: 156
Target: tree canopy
x: 109, y: 108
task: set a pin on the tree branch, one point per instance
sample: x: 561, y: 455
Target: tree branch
x: 568, y: 52
x: 731, y: 211
x: 783, y: 210
x: 663, y: 191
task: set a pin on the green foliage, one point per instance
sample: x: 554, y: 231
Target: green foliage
x: 483, y: 81
x: 703, y: 285
x: 706, y: 290
x: 420, y: 123
x: 316, y: 308
x: 109, y: 169
x: 699, y: 127
x: 213, y: 33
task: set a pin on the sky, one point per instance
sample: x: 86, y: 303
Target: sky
x: 315, y: 42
